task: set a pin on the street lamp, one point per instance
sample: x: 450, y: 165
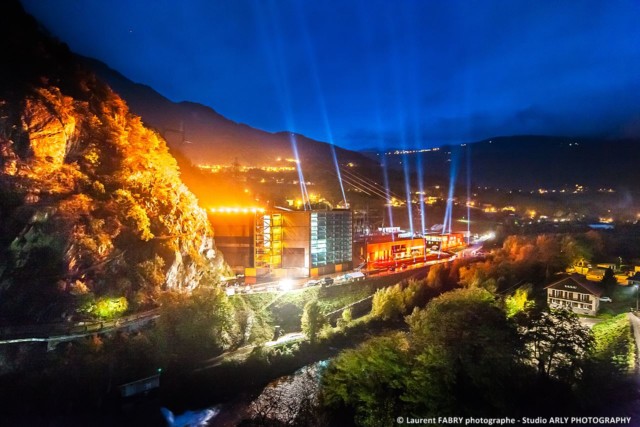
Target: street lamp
x: 637, y: 290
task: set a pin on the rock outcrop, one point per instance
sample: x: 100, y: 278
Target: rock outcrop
x: 92, y: 205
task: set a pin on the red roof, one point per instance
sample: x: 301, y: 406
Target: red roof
x: 580, y: 281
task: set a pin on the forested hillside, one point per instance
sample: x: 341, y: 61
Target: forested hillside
x: 94, y: 219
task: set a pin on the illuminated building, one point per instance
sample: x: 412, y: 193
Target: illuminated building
x: 444, y: 242
x: 234, y: 230
x: 595, y: 274
x: 382, y: 249
x: 302, y: 243
x: 385, y: 250
x: 284, y: 243
x: 576, y: 294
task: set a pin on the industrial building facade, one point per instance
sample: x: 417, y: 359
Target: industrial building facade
x: 284, y: 243
x: 444, y: 242
x: 234, y: 231
x: 385, y: 250
x: 303, y: 243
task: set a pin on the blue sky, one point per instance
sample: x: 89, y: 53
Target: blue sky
x: 366, y: 73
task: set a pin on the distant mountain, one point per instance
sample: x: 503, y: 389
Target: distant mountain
x: 525, y: 161
x: 205, y: 136
x: 531, y: 162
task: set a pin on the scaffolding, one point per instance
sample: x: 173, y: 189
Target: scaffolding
x: 268, y: 241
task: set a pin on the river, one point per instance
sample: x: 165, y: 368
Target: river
x: 288, y: 398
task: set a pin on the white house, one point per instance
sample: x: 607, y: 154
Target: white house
x: 576, y: 293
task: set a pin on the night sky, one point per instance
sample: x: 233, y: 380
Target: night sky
x: 371, y: 74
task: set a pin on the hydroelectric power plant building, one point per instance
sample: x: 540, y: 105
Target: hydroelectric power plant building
x: 389, y: 250
x: 284, y: 243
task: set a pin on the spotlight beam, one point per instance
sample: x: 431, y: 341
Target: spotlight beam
x: 321, y: 101
x: 423, y: 217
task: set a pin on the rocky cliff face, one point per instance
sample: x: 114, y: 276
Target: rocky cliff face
x: 91, y: 202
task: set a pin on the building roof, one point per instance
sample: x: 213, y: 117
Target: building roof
x: 579, y: 281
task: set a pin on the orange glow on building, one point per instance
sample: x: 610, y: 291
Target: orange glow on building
x: 398, y: 250
x: 445, y: 242
x: 236, y: 210
x: 383, y: 250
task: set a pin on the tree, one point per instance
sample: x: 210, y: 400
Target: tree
x: 606, y: 374
x: 312, y: 320
x: 465, y: 354
x: 434, y: 277
x: 345, y: 318
x: 519, y: 301
x: 575, y: 249
x: 609, y: 281
x: 250, y: 325
x: 388, y: 303
x: 193, y: 327
x: 461, y: 355
x: 346, y: 315
x: 150, y: 275
x: 557, y: 343
x: 371, y: 379
x: 614, y: 345
x: 417, y: 293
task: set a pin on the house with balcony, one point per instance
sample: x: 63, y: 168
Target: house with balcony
x: 575, y: 293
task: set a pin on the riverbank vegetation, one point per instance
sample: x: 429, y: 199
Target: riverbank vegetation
x: 463, y: 356
x: 471, y: 331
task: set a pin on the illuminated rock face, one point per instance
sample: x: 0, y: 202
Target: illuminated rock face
x: 50, y: 132
x: 92, y: 201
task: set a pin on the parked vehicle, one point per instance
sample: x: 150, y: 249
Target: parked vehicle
x: 327, y: 281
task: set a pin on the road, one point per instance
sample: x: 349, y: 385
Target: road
x: 55, y: 333
x: 61, y: 332
x: 243, y: 352
x: 298, y: 283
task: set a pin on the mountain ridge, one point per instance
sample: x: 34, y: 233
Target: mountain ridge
x: 203, y: 128
x: 535, y: 161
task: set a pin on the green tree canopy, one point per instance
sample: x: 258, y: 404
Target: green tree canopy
x: 388, y: 303
x: 193, y: 327
x: 519, y: 301
x: 371, y: 379
x: 465, y: 352
x: 312, y: 320
x: 556, y: 342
